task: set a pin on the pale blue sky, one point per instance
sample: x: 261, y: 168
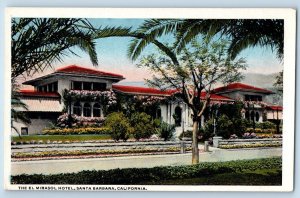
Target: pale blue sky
x: 112, y: 54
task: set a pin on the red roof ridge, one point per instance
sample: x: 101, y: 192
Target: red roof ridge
x: 238, y: 86
x: 77, y: 69
x: 142, y: 90
x: 275, y: 107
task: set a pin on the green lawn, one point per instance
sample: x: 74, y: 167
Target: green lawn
x: 63, y: 138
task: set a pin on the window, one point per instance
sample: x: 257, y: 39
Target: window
x: 99, y: 86
x: 24, y: 130
x: 87, y: 86
x: 247, y: 115
x: 77, y: 85
x: 55, y: 86
x: 177, y: 116
x: 253, y: 98
x: 257, y: 116
x: 158, y: 113
x: 252, y: 115
x: 77, y: 108
x: 50, y: 87
x: 96, y: 110
x: 87, y: 110
x: 44, y: 88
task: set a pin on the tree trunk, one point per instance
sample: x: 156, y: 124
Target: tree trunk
x: 195, y: 150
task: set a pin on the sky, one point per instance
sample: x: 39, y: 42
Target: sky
x: 112, y: 55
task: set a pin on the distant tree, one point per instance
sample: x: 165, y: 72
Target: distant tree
x: 38, y: 42
x: 279, y: 82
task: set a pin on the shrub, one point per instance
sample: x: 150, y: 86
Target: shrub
x: 142, y: 124
x: 166, y: 131
x: 118, y: 126
x: 202, y: 135
x: 223, y: 126
x: 76, y: 131
x: 266, y: 125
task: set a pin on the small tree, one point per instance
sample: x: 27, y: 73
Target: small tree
x: 118, y: 126
x: 193, y: 72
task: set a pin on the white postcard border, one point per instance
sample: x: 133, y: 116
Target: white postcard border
x: 289, y: 16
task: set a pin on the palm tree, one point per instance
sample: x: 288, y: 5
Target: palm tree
x: 17, y: 110
x: 38, y: 42
x: 243, y: 33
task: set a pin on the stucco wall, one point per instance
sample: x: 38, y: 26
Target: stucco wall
x: 36, y: 126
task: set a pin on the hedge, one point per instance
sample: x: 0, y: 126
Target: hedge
x: 76, y: 131
x: 140, y: 175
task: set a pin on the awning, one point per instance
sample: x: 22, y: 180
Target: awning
x: 43, y: 104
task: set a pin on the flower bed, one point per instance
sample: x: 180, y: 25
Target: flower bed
x: 94, y: 152
x: 255, y: 145
x: 76, y: 131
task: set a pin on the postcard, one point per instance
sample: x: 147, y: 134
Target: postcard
x: 149, y: 99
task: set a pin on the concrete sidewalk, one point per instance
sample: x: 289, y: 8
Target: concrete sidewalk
x: 76, y: 165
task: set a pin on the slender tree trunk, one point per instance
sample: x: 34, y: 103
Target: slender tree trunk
x: 195, y: 150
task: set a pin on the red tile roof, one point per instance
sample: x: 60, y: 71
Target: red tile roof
x: 83, y: 70
x: 215, y: 97
x: 275, y: 108
x: 142, y: 90
x: 26, y: 92
x: 153, y: 91
x: 240, y: 86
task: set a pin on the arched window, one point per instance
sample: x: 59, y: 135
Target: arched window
x: 177, y: 116
x: 96, y: 110
x: 247, y: 115
x: 252, y: 115
x: 257, y: 116
x: 77, y: 108
x: 87, y: 110
x: 158, y: 113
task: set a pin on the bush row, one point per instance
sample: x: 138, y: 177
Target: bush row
x: 76, y: 131
x: 139, y: 125
x: 140, y: 175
